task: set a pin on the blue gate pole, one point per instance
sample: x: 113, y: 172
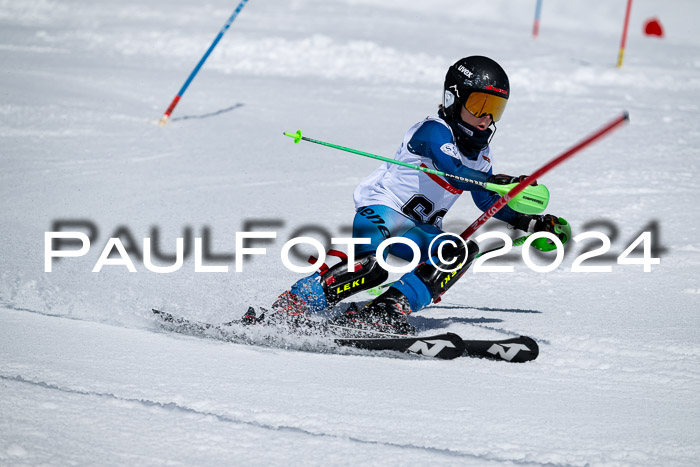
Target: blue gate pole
x: 218, y: 37
x: 536, y: 26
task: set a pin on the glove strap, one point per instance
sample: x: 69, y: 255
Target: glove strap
x: 531, y: 225
x: 525, y: 223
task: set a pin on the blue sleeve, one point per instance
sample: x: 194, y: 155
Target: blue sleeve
x: 485, y: 199
x: 429, y: 141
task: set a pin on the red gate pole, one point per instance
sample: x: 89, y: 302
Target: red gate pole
x: 539, y: 172
x: 624, y: 34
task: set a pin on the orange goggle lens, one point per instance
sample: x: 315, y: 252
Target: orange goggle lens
x: 480, y: 104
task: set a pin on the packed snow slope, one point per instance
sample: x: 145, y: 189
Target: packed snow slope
x: 87, y: 377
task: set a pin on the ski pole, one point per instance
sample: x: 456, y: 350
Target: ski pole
x: 517, y: 242
x: 533, y: 201
x: 218, y: 37
x: 541, y: 171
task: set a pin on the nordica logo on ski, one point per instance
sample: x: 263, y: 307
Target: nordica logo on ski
x: 430, y: 348
x: 513, y: 349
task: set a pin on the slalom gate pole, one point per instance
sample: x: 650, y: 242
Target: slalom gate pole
x: 624, y: 34
x: 541, y: 171
x: 533, y: 201
x: 536, y: 25
x: 184, y: 87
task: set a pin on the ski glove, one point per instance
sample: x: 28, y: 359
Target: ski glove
x: 503, y: 179
x: 544, y: 223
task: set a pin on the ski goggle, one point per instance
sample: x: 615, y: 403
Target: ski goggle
x: 480, y: 104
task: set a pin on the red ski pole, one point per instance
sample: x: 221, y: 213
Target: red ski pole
x: 539, y: 172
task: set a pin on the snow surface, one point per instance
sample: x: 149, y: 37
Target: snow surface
x: 86, y: 377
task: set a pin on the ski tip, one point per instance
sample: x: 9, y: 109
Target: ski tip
x: 626, y: 115
x: 534, y: 348
x: 516, y: 350
x: 160, y: 314
x: 526, y: 350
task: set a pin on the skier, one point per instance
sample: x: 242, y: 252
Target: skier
x: 398, y: 201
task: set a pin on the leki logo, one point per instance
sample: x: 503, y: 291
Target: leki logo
x: 513, y: 349
x: 424, y: 348
x: 349, y: 285
x: 492, y: 88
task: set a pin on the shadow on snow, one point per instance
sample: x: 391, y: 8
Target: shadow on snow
x: 207, y: 115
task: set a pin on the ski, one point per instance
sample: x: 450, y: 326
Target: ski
x: 180, y: 325
x: 517, y: 350
x: 445, y: 346
x: 449, y: 345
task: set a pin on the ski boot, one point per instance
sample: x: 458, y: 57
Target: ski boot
x: 319, y: 291
x: 251, y: 317
x: 387, y: 313
x: 288, y: 309
x: 329, y: 286
x: 337, y: 283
